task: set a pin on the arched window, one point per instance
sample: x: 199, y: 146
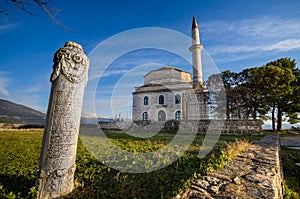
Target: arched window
x: 178, y: 115
x: 161, y: 99
x: 177, y: 99
x: 145, y: 116
x: 161, y: 115
x: 146, y: 100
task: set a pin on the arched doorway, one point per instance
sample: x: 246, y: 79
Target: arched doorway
x: 161, y: 116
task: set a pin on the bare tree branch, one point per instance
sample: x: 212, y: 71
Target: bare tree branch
x: 23, y: 5
x: 50, y: 11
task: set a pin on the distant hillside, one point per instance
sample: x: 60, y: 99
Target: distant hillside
x: 16, y: 113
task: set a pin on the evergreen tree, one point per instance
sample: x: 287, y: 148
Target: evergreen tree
x: 281, y: 88
x: 255, y: 92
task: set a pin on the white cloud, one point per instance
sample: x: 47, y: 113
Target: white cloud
x: 4, y: 81
x: 258, y: 28
x: 7, y: 24
x: 251, y: 37
x: 113, y: 72
x: 109, y: 106
x: 35, y: 101
x: 133, y: 46
x: 285, y: 45
x: 38, y: 84
x: 3, y: 91
x: 34, y: 95
x: 6, y: 27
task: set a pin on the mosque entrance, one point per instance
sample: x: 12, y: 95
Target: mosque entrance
x: 161, y: 116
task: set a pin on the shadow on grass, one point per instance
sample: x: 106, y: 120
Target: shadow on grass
x: 291, y: 172
x: 96, y: 180
x: 17, y: 184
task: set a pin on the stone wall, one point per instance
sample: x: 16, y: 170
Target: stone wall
x: 230, y: 127
x: 5, y: 126
x: 9, y: 126
x: 255, y: 173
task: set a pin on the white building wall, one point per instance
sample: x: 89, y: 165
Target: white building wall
x: 154, y: 107
x: 168, y: 82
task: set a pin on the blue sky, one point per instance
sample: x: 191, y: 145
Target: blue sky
x: 236, y: 34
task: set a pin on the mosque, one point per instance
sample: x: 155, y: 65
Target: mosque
x: 170, y: 93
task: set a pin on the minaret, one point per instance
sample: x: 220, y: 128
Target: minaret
x: 196, y: 49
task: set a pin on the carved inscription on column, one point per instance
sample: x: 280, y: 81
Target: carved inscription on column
x: 58, y: 155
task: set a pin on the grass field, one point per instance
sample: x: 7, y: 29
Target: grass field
x: 291, y: 172
x: 20, y: 150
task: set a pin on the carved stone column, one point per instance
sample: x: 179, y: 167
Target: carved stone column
x: 58, y: 154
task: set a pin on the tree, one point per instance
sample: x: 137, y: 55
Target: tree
x: 294, y: 106
x: 234, y: 106
x: 276, y: 89
x: 249, y: 83
x: 281, y: 88
x: 253, y: 93
x: 229, y: 81
x: 27, y: 5
x: 216, y: 96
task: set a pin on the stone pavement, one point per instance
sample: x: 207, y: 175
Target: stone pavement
x: 255, y: 173
x: 290, y: 141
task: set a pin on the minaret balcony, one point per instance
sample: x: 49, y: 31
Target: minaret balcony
x: 196, y: 47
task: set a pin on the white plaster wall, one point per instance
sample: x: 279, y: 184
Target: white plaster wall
x: 154, y: 107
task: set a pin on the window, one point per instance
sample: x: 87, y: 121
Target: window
x: 161, y: 115
x: 146, y: 100
x: 145, y: 116
x: 178, y: 115
x: 161, y: 99
x: 177, y: 99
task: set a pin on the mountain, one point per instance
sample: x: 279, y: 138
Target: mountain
x: 16, y: 113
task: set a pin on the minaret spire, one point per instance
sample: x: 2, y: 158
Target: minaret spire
x: 196, y: 49
x: 194, y: 23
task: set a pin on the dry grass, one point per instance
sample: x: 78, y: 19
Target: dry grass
x: 235, y: 148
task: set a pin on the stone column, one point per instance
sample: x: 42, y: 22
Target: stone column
x: 58, y: 154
